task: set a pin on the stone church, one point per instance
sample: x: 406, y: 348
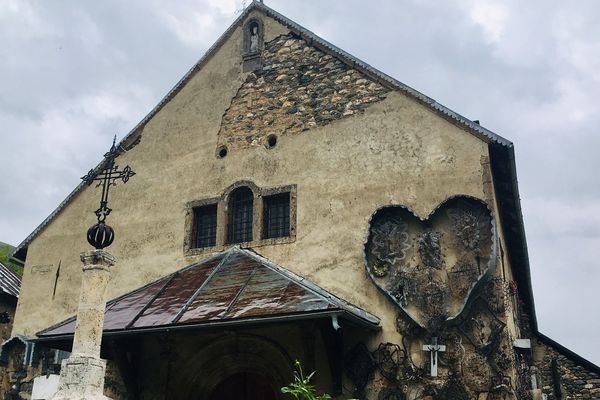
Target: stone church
x: 293, y: 203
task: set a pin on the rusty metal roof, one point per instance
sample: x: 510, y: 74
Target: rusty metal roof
x: 236, y: 286
x: 10, y: 282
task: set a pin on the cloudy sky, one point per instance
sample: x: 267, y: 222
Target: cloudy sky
x: 73, y: 73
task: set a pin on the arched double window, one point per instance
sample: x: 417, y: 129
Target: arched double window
x: 244, y: 213
x: 239, y: 224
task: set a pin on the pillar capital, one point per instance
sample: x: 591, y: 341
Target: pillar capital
x: 97, y: 259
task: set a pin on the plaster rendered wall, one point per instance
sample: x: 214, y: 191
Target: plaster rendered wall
x: 395, y: 152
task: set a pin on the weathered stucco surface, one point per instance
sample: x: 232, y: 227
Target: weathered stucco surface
x: 395, y: 151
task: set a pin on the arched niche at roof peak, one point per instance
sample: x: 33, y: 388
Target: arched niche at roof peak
x: 253, y: 37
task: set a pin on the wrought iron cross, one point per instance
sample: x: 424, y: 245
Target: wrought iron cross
x: 433, y: 349
x: 101, y: 235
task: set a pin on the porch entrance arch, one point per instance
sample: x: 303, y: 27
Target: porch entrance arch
x: 237, y: 366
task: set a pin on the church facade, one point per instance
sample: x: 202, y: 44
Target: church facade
x: 293, y: 203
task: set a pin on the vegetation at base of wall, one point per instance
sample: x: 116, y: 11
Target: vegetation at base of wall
x: 301, y: 388
x: 5, y: 250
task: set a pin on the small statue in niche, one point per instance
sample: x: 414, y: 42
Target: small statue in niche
x: 252, y: 45
x: 253, y: 38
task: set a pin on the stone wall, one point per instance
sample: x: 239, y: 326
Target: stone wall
x: 576, y: 380
x: 8, y: 304
x: 7, y: 314
x: 297, y: 88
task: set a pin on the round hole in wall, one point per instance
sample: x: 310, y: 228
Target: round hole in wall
x: 222, y: 152
x: 271, y: 141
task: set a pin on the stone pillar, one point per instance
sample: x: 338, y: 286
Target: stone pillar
x: 82, y: 374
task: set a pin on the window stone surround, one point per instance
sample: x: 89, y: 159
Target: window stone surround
x: 222, y: 203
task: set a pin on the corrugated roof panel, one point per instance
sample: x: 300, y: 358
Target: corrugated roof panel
x: 10, y: 282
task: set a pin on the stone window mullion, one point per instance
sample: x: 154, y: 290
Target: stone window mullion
x: 222, y: 220
x: 258, y: 217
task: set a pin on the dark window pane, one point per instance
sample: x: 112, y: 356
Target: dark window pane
x: 205, y: 224
x: 276, y: 216
x: 239, y: 228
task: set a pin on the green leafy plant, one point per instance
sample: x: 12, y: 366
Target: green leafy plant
x: 301, y: 388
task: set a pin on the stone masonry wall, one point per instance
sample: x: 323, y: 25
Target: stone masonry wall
x: 7, y: 313
x: 297, y: 88
x: 8, y: 305
x: 576, y: 381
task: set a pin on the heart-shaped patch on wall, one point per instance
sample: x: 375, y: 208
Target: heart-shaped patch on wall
x: 431, y: 268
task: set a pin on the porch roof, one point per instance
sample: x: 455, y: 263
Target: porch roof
x: 237, y: 286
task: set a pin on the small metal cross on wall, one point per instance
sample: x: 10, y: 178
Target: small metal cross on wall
x: 433, y: 349
x: 101, y: 235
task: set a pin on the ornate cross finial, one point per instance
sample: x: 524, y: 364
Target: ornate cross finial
x: 101, y: 235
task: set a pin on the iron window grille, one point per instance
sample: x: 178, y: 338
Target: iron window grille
x: 205, y: 224
x: 239, y: 228
x: 276, y: 214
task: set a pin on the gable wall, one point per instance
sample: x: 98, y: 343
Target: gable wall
x: 562, y: 377
x: 395, y: 152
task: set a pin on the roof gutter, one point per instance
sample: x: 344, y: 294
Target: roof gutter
x: 334, y: 315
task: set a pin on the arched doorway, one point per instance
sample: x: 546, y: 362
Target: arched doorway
x: 232, y: 366
x: 244, y: 386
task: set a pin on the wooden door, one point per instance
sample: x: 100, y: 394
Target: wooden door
x: 244, y: 386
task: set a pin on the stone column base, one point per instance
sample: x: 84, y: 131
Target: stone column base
x: 81, y: 378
